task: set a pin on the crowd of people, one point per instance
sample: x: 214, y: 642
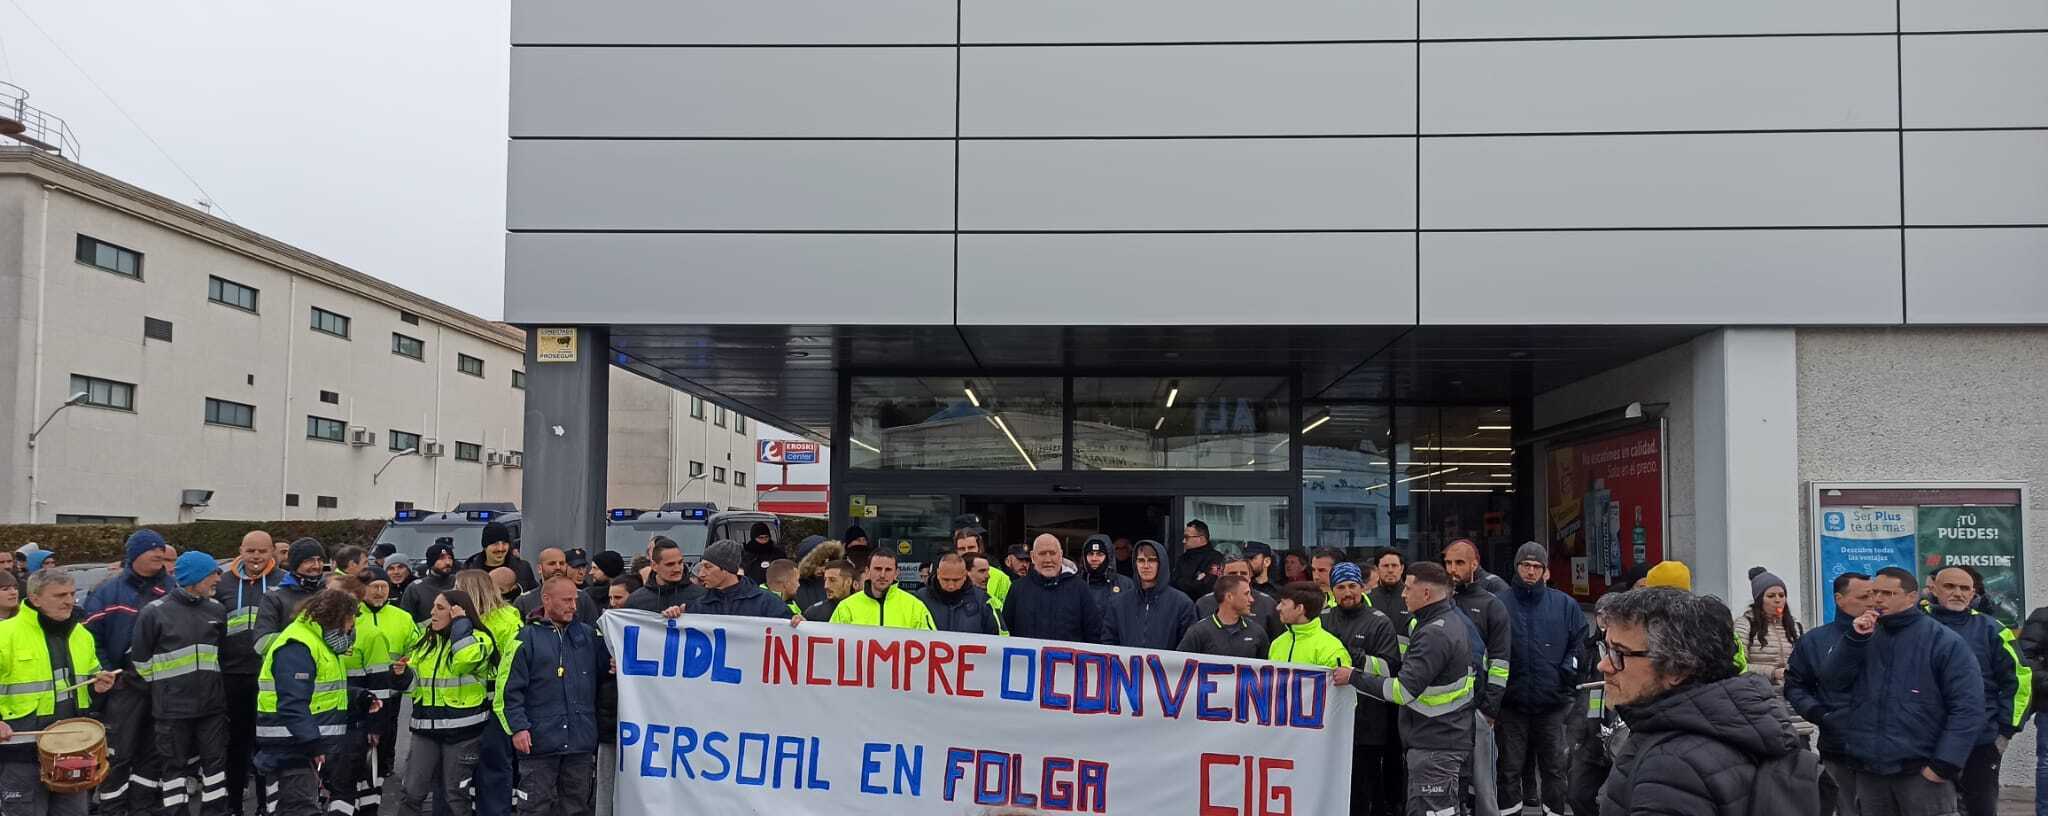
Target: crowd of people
x: 281, y: 675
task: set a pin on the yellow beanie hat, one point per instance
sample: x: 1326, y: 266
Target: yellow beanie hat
x: 1672, y: 574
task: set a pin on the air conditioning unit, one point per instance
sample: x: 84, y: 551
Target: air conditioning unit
x: 515, y: 459
x: 431, y: 448
x: 493, y: 459
x: 360, y: 436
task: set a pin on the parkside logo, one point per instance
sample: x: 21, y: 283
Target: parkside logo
x: 1834, y: 521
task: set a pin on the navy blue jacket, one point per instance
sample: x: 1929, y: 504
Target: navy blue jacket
x: 965, y: 611
x: 550, y: 687
x: 1919, y: 697
x: 1058, y: 608
x: 1986, y: 638
x: 110, y: 613
x: 745, y: 598
x: 1153, y: 618
x: 1548, y: 628
x: 293, y: 670
x: 1811, y: 699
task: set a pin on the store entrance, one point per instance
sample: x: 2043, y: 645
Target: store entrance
x: 1014, y: 520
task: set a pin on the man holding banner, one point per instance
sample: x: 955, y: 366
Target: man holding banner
x: 881, y: 602
x: 1434, y: 689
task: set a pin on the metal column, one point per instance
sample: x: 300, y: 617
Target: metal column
x: 567, y: 410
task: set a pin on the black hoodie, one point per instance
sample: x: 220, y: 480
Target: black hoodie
x: 1105, y: 582
x: 1704, y: 749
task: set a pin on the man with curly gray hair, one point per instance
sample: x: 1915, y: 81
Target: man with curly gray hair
x: 1704, y: 739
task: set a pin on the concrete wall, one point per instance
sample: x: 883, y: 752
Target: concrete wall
x: 1932, y: 404
x: 1666, y: 376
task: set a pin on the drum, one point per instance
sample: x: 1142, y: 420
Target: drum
x: 73, y: 754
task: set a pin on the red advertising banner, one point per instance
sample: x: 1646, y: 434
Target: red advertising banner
x: 1605, y: 509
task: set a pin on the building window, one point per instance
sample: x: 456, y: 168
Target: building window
x: 73, y: 518
x: 229, y: 293
x: 404, y: 346
x: 739, y: 478
x: 468, y: 452
x: 291, y: 499
x: 115, y: 259
x: 402, y: 441
x: 718, y: 475
x: 104, y: 393
x: 739, y: 424
x: 518, y: 379
x: 696, y: 468
x: 331, y: 430
x: 329, y: 322
x: 469, y: 365
x: 232, y: 414
x: 154, y: 329
x: 326, y: 502
x: 718, y: 415
x: 409, y: 319
x: 330, y: 397
x: 696, y: 406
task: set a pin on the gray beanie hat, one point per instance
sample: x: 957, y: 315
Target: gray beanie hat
x: 1761, y: 580
x: 725, y: 555
x: 1532, y: 551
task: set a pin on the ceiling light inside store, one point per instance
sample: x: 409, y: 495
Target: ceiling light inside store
x: 1013, y: 442
x: 1496, y: 427
x: 969, y: 390
x: 1437, y: 448
x: 859, y: 444
x: 1454, y: 490
x: 1413, y: 478
x: 1161, y: 422
x: 1478, y: 484
x: 1460, y: 464
x: 1316, y: 423
x: 1172, y: 392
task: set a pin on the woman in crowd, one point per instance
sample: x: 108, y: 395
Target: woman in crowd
x: 10, y: 595
x: 494, y: 780
x: 1768, y: 629
x: 449, y: 710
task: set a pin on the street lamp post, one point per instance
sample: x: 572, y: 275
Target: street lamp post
x: 35, y: 459
x: 686, y: 485
x: 387, y: 463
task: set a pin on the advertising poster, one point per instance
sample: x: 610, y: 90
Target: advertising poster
x: 1606, y: 506
x: 1865, y: 540
x: 871, y: 720
x: 1982, y: 537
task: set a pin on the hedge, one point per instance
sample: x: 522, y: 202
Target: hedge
x: 80, y: 543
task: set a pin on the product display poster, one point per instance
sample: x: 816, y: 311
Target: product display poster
x: 1865, y: 540
x: 1605, y: 505
x: 1986, y: 538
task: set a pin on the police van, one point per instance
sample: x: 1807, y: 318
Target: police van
x: 412, y: 531
x: 691, y: 525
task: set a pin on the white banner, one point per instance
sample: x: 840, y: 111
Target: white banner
x: 751, y: 715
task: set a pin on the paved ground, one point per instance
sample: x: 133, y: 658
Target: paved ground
x: 2016, y: 802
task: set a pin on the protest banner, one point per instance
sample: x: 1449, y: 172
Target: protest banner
x: 751, y: 715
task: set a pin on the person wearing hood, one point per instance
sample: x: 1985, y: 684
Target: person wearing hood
x: 1099, y: 571
x: 1368, y: 634
x: 1154, y: 616
x: 956, y: 604
x: 2008, y: 683
x: 812, y: 556
x: 1919, y: 702
x: 1264, y: 613
x: 176, y: 652
x: 40, y: 559
x: 42, y: 649
x: 498, y: 552
x: 761, y: 550
x: 856, y: 538
x: 1704, y: 739
x: 1049, y: 603
x: 880, y: 602
x: 1548, y: 628
x: 418, y: 599
x: 726, y: 590
x: 110, y: 613
x: 305, y: 568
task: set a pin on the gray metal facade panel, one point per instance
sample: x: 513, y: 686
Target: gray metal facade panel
x: 1179, y: 184
x: 662, y: 22
x: 1977, y: 177
x: 1977, y: 275
x: 1742, y: 83
x: 1641, y: 18
x: 1709, y: 180
x: 1153, y: 21
x: 730, y: 185
x: 1211, y: 90
x: 751, y: 278
x: 1972, y: 15
x: 1976, y: 80
x: 1671, y: 277
x: 732, y: 92
x: 1221, y: 279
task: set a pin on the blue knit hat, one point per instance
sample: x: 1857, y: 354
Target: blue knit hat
x: 142, y: 541
x: 1346, y: 571
x: 193, y: 567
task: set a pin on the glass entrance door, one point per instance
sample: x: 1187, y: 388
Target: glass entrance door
x: 1018, y: 520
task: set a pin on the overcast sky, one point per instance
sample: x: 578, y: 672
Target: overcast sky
x: 371, y: 132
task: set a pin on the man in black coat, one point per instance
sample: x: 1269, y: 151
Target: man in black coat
x: 955, y: 603
x: 1199, y: 564
x: 1049, y: 604
x: 498, y: 552
x: 668, y: 586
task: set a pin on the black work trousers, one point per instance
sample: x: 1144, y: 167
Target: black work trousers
x: 1979, y: 786
x: 194, y: 750
x: 241, y: 738
x: 132, y: 786
x: 1532, y: 740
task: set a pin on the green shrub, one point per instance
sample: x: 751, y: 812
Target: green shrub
x: 80, y: 543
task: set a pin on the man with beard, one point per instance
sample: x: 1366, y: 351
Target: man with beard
x: 1490, y: 619
x: 840, y: 575
x: 605, y: 567
x: 418, y: 600
x: 955, y: 604
x: 131, y: 784
x: 1388, y: 577
x: 554, y: 562
x: 1368, y: 635
x: 251, y: 576
x: 1258, y: 555
x: 498, y: 552
x: 1156, y: 615
x: 176, y: 651
x: 1548, y: 628
x: 40, y: 648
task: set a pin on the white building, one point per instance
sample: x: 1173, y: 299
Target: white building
x: 276, y: 383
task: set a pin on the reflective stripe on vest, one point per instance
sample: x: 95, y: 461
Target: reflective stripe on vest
x: 31, y: 687
x: 329, y: 704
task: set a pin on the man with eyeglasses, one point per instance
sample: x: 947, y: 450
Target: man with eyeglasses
x: 1704, y: 738
x: 1816, y: 702
x: 1155, y: 615
x: 1199, y: 565
x: 1919, y: 703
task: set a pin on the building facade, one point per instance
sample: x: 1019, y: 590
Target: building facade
x: 228, y: 375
